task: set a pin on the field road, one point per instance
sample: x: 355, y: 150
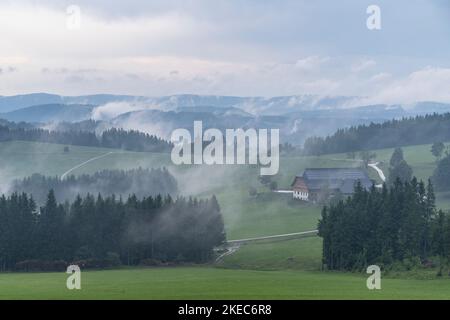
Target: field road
x: 275, y: 237
x: 378, y: 170
x: 229, y: 250
x: 233, y: 245
x: 84, y: 163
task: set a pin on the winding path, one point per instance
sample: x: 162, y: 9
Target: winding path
x: 378, y: 170
x: 84, y: 163
x: 233, y: 245
x: 229, y: 250
x: 277, y: 236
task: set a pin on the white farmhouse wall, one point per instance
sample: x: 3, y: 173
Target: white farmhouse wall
x: 300, y: 195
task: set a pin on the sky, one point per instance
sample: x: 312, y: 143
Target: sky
x: 227, y: 47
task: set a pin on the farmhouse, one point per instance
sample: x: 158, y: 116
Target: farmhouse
x: 299, y: 188
x: 316, y: 181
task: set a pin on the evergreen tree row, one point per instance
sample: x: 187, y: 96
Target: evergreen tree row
x: 384, y: 227
x: 113, y: 138
x: 441, y: 175
x: 393, y: 133
x: 92, y: 230
x: 140, y: 182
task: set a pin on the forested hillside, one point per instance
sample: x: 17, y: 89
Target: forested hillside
x: 130, y: 140
x: 441, y: 174
x: 105, y: 231
x: 395, y: 225
x: 140, y: 182
x: 394, y: 133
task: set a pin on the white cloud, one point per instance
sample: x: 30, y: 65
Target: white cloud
x: 311, y: 63
x: 380, y: 77
x: 113, y: 109
x: 363, y: 65
x: 222, y: 47
x: 428, y: 84
x: 38, y: 32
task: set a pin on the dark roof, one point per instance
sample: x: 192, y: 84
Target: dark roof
x: 334, y: 173
x: 342, y: 179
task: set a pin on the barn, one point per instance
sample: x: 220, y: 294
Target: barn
x: 315, y: 181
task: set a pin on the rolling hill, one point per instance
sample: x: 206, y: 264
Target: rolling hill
x: 298, y: 117
x: 50, y: 113
x: 12, y: 103
x: 294, y: 265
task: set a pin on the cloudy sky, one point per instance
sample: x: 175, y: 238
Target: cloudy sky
x: 227, y: 47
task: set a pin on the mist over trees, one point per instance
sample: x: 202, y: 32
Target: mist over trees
x: 441, y: 175
x: 366, y: 157
x: 394, y: 133
x: 113, y: 138
x: 399, y: 168
x: 398, y: 224
x: 122, y: 183
x: 437, y: 149
x: 106, y: 231
x: 133, y: 140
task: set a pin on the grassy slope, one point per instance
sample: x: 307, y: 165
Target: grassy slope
x: 21, y: 158
x: 423, y: 164
x: 244, y: 217
x: 295, y: 254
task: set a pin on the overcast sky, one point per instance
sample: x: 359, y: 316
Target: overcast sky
x: 242, y: 47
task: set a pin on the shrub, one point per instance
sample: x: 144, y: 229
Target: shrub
x: 34, y: 265
x: 94, y: 263
x: 151, y: 262
x: 113, y: 259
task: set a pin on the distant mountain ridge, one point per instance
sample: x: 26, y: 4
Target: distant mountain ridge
x: 253, y: 105
x: 273, y: 105
x: 12, y: 103
x: 297, y: 117
x: 50, y: 113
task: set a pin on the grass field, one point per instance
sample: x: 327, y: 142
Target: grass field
x: 215, y: 283
x: 296, y: 254
x: 21, y: 158
x: 285, y: 269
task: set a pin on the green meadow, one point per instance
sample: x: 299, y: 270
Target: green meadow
x: 214, y: 283
x: 264, y: 270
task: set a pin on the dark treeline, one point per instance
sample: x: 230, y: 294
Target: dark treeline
x: 140, y: 182
x: 394, y: 133
x: 98, y: 232
x: 16, y: 125
x: 441, y: 175
x: 113, y: 138
x: 395, y: 225
x: 134, y: 141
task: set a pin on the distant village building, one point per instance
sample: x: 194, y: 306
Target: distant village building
x: 315, y: 181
